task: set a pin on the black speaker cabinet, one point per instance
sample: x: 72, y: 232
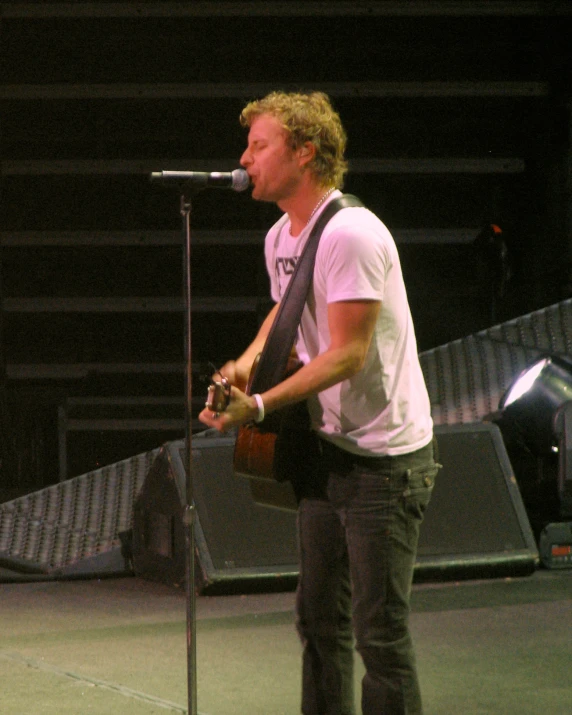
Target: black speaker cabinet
x: 239, y: 544
x: 476, y: 524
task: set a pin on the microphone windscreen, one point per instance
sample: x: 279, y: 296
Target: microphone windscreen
x: 240, y: 180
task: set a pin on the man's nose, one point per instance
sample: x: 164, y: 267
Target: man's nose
x: 245, y: 159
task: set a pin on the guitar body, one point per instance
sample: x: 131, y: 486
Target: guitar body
x: 254, y: 456
x: 254, y: 452
x: 254, y: 460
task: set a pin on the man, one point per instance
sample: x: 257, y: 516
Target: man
x: 359, y: 514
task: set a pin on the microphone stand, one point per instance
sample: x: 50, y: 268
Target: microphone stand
x: 190, y: 183
x: 189, y: 512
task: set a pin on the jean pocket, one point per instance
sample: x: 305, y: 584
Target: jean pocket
x: 419, y: 485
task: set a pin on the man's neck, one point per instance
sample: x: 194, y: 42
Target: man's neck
x: 301, y: 207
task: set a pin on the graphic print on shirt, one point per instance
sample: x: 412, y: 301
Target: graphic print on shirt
x: 285, y: 266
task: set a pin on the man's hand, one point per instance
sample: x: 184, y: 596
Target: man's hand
x: 241, y: 408
x: 237, y: 377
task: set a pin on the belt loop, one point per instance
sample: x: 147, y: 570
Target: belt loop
x: 435, y: 448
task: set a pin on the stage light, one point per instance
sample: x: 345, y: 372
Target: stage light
x: 538, y: 407
x: 524, y: 382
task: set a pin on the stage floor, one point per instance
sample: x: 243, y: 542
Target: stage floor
x: 102, y: 646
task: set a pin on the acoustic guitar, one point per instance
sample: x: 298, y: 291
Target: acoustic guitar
x: 255, y: 451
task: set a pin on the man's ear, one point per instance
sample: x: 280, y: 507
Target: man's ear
x: 307, y: 152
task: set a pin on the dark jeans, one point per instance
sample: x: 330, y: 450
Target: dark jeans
x: 358, y: 524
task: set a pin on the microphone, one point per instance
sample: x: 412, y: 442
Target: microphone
x: 238, y: 180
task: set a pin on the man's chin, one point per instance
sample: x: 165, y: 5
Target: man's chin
x: 258, y: 195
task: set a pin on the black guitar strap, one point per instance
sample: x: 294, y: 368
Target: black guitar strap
x: 278, y: 347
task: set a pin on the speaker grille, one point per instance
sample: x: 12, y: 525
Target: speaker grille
x: 476, y: 521
x: 466, y: 378
x: 74, y: 520
x: 239, y: 544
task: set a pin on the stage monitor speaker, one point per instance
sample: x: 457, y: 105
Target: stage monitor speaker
x: 240, y: 546
x: 476, y: 524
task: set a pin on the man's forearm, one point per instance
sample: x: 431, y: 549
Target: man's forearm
x: 322, y: 372
x: 242, y: 366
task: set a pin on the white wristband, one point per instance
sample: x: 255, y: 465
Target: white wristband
x: 260, y: 405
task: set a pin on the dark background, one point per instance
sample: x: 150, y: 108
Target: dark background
x: 458, y: 116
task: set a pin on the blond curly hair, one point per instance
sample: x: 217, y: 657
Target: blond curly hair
x: 307, y: 118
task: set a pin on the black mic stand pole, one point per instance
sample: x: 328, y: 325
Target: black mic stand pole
x: 237, y: 180
x: 189, y: 513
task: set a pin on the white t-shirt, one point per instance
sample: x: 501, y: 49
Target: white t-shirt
x: 384, y: 409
